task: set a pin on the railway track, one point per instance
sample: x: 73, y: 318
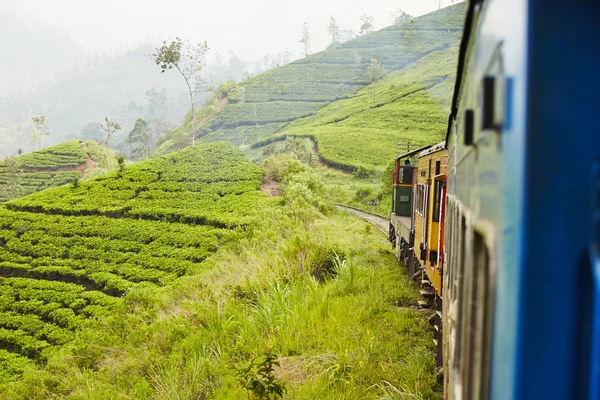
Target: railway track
x: 378, y: 221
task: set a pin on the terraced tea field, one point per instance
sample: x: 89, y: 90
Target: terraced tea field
x: 43, y: 169
x: 68, y: 254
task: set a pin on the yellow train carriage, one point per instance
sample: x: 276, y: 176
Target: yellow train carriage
x: 429, y: 193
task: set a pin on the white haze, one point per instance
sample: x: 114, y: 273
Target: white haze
x: 251, y: 28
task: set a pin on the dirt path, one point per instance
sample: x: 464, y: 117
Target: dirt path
x: 271, y: 188
x: 379, y: 221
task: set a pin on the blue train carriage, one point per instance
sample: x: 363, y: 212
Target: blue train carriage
x: 522, y: 272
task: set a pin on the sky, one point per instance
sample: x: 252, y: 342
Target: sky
x: 252, y: 28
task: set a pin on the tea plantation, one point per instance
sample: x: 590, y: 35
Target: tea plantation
x: 304, y: 87
x: 67, y: 254
x: 46, y: 168
x: 365, y: 130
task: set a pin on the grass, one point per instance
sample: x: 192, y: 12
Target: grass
x: 354, y: 335
x: 69, y: 254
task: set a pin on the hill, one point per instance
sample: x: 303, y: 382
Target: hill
x: 53, y: 166
x: 68, y: 254
x: 124, y: 88
x: 265, y: 105
x: 366, y: 130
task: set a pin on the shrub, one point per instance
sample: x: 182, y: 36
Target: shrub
x: 257, y: 376
x: 282, y: 167
x: 324, y: 262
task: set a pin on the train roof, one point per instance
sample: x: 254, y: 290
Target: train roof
x: 462, y: 58
x: 433, y: 149
x: 413, y: 152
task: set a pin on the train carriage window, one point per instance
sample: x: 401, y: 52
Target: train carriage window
x: 482, y: 319
x: 461, y: 261
x: 420, y: 199
x: 437, y: 201
x: 489, y: 97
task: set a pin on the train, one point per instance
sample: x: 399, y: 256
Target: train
x: 500, y: 222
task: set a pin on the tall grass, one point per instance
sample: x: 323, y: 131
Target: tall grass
x: 338, y: 336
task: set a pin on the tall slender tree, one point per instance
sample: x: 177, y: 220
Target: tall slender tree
x: 12, y: 186
x: 189, y: 60
x: 109, y: 127
x: 139, y: 139
x: 305, y: 39
x: 334, y: 30
x: 38, y: 130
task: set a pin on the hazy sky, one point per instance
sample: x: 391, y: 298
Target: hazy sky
x: 252, y: 28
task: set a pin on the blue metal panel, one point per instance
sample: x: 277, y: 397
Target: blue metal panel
x: 594, y: 374
x: 563, y: 140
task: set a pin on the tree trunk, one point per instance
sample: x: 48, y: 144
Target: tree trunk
x: 193, y: 116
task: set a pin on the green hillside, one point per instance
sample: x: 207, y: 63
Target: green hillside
x: 51, y: 167
x: 407, y: 105
x: 269, y: 101
x: 67, y: 254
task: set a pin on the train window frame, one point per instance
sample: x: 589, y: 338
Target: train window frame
x: 437, y: 199
x: 420, y: 199
x: 484, y: 241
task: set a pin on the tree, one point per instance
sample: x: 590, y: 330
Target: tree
x: 399, y: 17
x: 347, y: 34
x: 236, y: 68
x: 334, y: 30
x: 38, y: 130
x: 375, y: 71
x: 92, y: 131
x: 12, y: 187
x: 285, y: 57
x: 305, y: 39
x: 367, y: 24
x: 139, y: 139
x: 157, y: 101
x: 188, y: 60
x: 157, y: 127
x: 109, y: 127
x: 240, y: 92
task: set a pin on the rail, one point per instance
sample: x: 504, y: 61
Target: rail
x: 377, y: 220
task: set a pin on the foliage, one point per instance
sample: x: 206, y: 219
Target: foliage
x: 12, y: 174
x: 256, y: 376
x: 121, y: 162
x: 353, y: 336
x: 363, y: 132
x: 139, y: 139
x: 252, y: 114
x: 374, y: 71
x: 305, y: 39
x: 53, y: 166
x: 306, y: 86
x: 42, y: 169
x: 38, y: 130
x: 334, y: 30
x: 69, y: 254
x: 366, y: 24
x: 188, y: 60
x: 93, y: 131
x: 109, y: 127
x: 400, y: 17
